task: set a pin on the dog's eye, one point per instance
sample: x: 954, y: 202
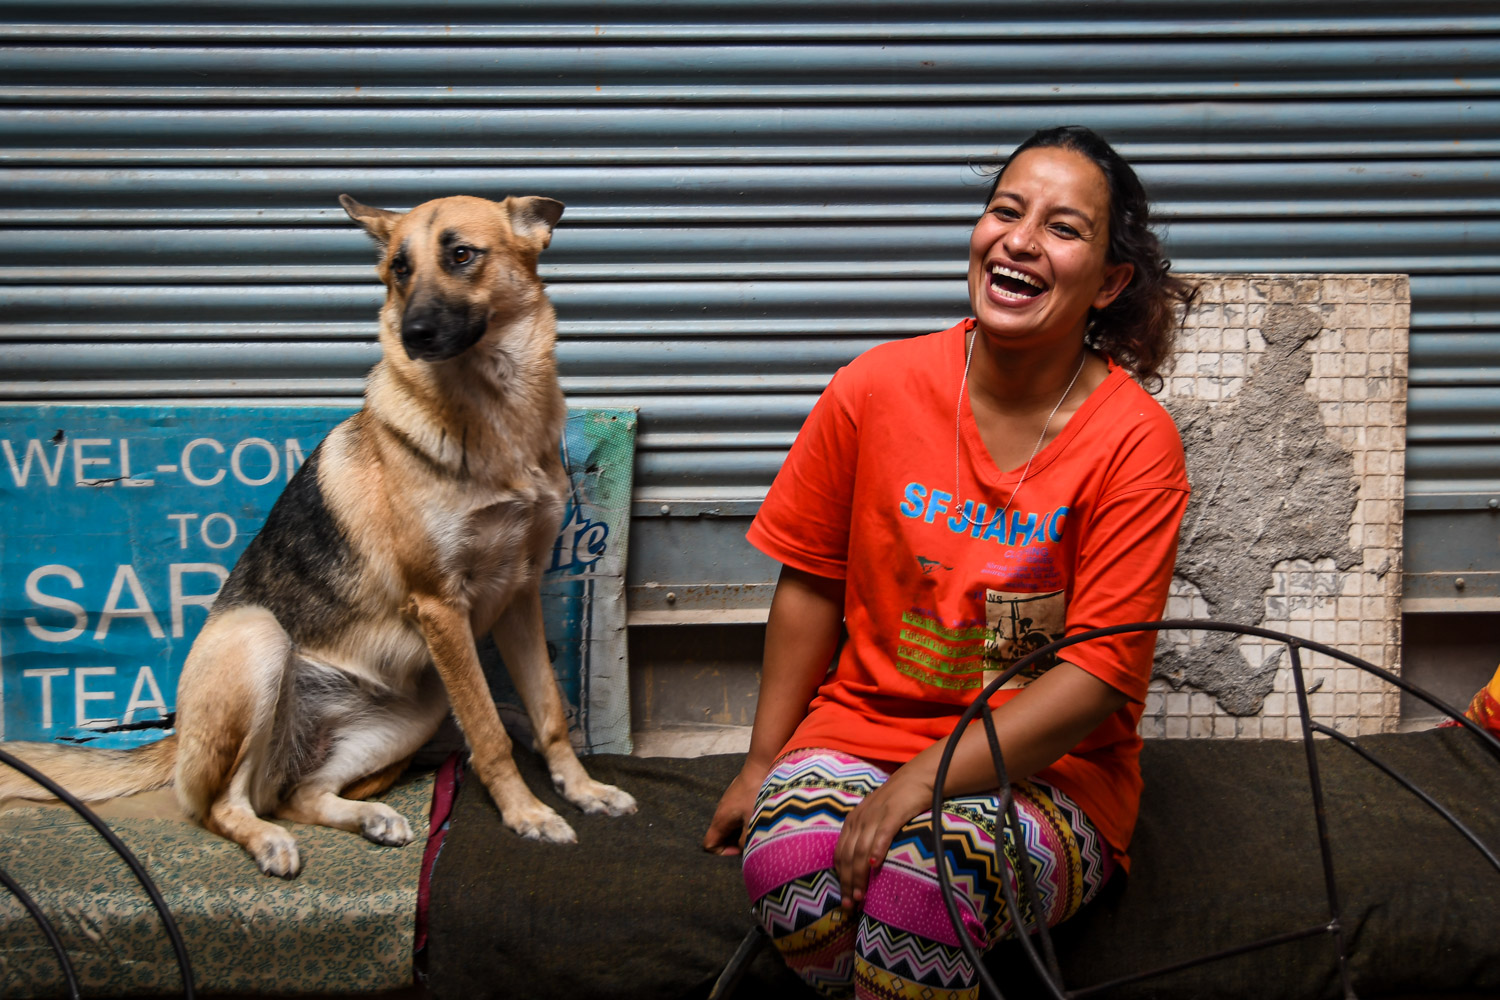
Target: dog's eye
x: 462, y: 255
x: 400, y: 268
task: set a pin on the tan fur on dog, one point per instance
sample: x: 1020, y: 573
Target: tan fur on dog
x: 348, y: 626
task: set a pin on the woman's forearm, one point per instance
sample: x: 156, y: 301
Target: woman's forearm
x: 1036, y: 727
x: 802, y: 634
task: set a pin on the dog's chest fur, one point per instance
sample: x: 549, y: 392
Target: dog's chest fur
x: 474, y: 538
x: 492, y: 543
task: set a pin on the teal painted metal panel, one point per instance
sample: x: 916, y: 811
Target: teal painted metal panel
x: 122, y: 522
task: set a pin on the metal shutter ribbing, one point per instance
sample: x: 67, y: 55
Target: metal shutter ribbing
x: 756, y: 192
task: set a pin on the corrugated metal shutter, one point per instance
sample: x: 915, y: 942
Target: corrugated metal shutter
x: 757, y: 190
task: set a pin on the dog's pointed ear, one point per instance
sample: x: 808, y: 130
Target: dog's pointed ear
x: 533, y: 218
x: 376, y: 221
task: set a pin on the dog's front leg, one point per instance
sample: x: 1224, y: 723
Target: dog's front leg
x: 451, y: 643
x: 519, y: 637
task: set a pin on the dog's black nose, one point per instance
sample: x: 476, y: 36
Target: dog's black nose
x: 436, y: 331
x: 419, y: 335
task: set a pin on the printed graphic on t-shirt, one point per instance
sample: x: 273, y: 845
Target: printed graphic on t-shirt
x: 929, y: 565
x: 941, y: 655
x: 1018, y: 624
x: 1020, y: 529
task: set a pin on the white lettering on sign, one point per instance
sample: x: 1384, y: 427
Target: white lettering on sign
x: 182, y: 520
x: 35, y: 596
x: 144, y: 694
x: 82, y: 461
x: 145, y: 678
x: 125, y: 577
x: 45, y: 675
x: 294, y: 458
x: 34, y: 451
x: 230, y: 534
x: 239, y: 451
x: 90, y: 468
x: 187, y: 459
x: 125, y: 477
x: 181, y: 600
x: 82, y: 696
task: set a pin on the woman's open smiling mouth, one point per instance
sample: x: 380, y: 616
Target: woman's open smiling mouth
x: 1015, y: 285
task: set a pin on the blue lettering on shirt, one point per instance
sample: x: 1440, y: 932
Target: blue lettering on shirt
x: 912, y: 506
x: 977, y: 521
x: 937, y: 503
x: 962, y: 519
x: 1024, y: 528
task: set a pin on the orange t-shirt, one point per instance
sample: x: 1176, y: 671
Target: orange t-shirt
x: 940, y: 595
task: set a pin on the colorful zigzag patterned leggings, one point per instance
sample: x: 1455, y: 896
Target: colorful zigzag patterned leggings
x: 901, y: 943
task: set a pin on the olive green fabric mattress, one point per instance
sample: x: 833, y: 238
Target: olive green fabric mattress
x: 345, y: 925
x: 1226, y: 853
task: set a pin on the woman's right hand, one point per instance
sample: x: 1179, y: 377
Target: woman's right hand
x: 726, y: 831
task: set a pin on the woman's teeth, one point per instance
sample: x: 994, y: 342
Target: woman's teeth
x: 1014, y: 284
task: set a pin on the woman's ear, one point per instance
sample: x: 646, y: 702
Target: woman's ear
x: 1116, y: 277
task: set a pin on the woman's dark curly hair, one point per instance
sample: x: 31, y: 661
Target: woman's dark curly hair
x: 1139, y: 327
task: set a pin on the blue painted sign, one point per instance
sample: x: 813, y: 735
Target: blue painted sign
x: 118, y: 525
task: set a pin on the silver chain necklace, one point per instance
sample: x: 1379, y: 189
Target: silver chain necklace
x: 958, y: 423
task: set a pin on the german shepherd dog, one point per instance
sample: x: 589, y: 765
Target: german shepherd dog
x: 347, y: 628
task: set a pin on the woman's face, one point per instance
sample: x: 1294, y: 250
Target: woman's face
x: 1038, y: 257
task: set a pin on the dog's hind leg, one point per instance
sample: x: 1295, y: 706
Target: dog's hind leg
x: 519, y: 636
x: 227, y: 702
x: 273, y: 847
x: 369, y: 749
x: 450, y: 639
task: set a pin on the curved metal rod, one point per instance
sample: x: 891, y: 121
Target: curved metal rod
x: 940, y: 865
x: 1407, y: 784
x: 1320, y: 819
x: 48, y: 931
x: 1206, y: 625
x: 178, y: 946
x: 1028, y: 882
x: 981, y: 704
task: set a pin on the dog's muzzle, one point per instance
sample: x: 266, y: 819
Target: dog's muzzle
x: 432, y: 331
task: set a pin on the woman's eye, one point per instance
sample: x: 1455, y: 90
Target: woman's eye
x: 1007, y: 213
x: 1065, y: 231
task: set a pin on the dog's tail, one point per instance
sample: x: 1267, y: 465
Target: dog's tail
x: 89, y: 773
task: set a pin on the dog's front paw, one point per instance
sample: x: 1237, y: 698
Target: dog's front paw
x: 384, y: 825
x: 540, y: 823
x: 277, y: 855
x: 597, y: 797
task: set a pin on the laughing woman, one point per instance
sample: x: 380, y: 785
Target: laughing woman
x: 953, y: 502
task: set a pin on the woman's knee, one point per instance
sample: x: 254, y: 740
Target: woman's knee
x: 904, y: 894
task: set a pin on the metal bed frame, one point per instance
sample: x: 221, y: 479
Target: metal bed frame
x: 1044, y: 960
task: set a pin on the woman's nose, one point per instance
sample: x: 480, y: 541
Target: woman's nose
x: 1020, y: 241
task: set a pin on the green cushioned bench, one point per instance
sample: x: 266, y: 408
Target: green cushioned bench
x: 345, y: 925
